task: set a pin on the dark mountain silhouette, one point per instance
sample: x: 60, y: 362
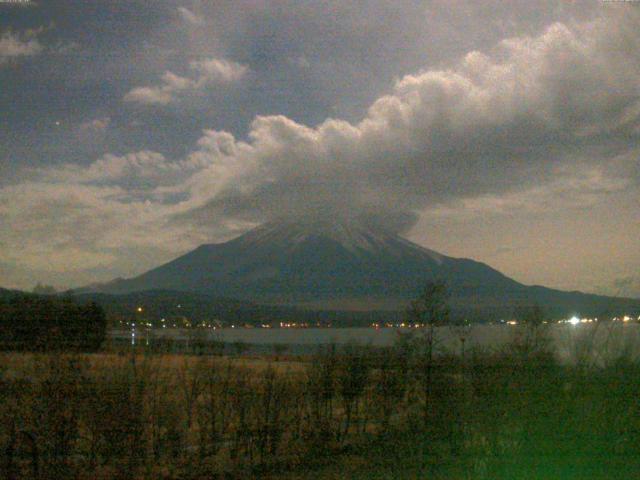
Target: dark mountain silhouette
x: 175, y: 306
x: 349, y: 266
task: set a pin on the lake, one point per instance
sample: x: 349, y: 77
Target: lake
x: 603, y: 341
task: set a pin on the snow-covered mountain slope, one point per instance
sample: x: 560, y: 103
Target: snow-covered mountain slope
x: 357, y: 238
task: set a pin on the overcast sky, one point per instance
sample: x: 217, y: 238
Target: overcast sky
x: 508, y: 132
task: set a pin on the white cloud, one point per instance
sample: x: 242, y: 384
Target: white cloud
x: 97, y: 124
x: 210, y: 71
x: 149, y: 95
x: 13, y: 45
x: 190, y: 17
x: 498, y: 122
x: 93, y: 131
x: 213, y: 70
x: 579, y: 189
x: 110, y: 214
x: 143, y: 175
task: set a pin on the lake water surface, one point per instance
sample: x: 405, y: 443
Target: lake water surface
x: 604, y: 341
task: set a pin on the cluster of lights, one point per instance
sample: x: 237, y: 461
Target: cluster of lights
x: 377, y: 325
x: 216, y: 325
x: 625, y: 319
x: 298, y: 325
x: 575, y: 320
x: 293, y: 325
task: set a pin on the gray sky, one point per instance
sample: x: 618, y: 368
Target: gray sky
x: 507, y: 132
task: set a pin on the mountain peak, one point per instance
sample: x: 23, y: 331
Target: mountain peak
x: 355, y: 236
x: 352, y: 236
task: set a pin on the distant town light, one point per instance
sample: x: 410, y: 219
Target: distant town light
x: 574, y: 320
x: 139, y: 309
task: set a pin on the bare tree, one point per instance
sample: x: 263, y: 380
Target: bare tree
x: 352, y: 380
x: 531, y: 338
x: 321, y: 388
x: 391, y: 381
x: 429, y: 311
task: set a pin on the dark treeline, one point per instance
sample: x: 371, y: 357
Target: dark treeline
x: 49, y: 323
x: 196, y: 307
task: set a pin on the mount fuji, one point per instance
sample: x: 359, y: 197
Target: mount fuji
x: 331, y: 265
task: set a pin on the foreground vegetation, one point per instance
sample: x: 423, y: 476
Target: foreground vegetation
x: 411, y: 411
x: 43, y: 323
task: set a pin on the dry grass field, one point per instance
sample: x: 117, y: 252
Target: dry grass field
x: 349, y: 412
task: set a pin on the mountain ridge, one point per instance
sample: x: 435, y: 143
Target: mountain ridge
x: 354, y: 266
